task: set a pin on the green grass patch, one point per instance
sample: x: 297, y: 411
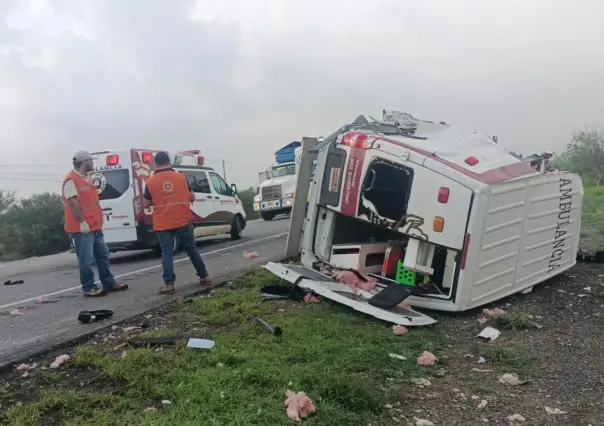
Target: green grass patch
x: 513, y: 321
x: 593, y: 210
x: 339, y: 358
x: 513, y: 359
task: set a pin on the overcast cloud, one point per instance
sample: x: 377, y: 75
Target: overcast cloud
x: 238, y: 78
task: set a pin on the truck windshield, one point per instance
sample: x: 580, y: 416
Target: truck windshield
x: 111, y: 184
x: 286, y: 169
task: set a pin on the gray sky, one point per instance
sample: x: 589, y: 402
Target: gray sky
x: 238, y: 79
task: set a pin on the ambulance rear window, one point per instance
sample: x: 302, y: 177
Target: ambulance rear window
x: 111, y: 184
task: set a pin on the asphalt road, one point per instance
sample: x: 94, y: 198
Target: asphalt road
x: 45, y: 325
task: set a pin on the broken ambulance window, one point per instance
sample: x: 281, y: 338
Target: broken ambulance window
x: 385, y: 191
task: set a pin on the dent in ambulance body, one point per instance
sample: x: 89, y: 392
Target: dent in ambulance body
x: 493, y: 225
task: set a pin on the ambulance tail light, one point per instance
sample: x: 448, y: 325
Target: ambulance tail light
x: 200, y: 160
x: 112, y: 160
x: 439, y: 224
x: 147, y: 157
x: 443, y: 195
x: 464, y: 253
x: 471, y: 161
x: 358, y: 140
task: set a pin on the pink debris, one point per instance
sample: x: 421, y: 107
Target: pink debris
x: 16, y: 313
x: 298, y: 405
x: 61, y: 359
x: 311, y: 298
x: 355, y: 280
x: 399, y: 330
x: 25, y: 367
x: 405, y: 305
x: 41, y: 299
x: 493, y: 313
x: 250, y: 254
x: 427, y: 359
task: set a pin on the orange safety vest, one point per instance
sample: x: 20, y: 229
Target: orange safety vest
x: 170, y: 197
x: 88, y: 199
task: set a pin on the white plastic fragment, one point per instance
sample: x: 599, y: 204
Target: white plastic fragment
x: 490, y: 333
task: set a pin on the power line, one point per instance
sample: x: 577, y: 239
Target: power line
x: 32, y: 179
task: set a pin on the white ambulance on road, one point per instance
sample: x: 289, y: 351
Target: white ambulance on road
x: 120, y: 178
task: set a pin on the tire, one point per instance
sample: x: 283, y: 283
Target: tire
x: 236, y: 231
x: 268, y: 216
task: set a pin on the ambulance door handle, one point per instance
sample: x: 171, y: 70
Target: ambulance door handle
x: 209, y: 196
x: 218, y: 198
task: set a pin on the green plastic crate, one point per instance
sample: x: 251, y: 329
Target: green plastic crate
x: 404, y: 276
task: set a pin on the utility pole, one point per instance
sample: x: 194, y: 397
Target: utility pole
x: 224, y: 171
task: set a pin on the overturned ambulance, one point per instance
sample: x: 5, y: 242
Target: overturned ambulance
x: 439, y: 217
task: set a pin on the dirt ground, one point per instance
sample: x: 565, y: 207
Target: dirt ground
x: 550, y: 338
x: 553, y: 339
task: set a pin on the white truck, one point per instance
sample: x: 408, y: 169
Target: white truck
x: 277, y: 189
x: 436, y: 216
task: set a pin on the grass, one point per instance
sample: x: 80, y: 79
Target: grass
x: 513, y: 321
x: 340, y: 359
x: 592, y: 220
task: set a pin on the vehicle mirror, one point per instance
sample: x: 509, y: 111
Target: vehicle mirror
x: 234, y: 188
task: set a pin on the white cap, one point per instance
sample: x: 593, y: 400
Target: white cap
x: 82, y: 156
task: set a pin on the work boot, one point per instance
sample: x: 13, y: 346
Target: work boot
x: 167, y: 289
x: 205, y: 281
x: 95, y: 292
x: 117, y: 287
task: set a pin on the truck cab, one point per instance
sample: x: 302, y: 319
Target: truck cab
x: 276, y: 192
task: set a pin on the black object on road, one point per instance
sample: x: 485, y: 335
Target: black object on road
x: 87, y: 317
x: 275, y: 331
x: 157, y: 341
x: 282, y: 292
x: 9, y: 282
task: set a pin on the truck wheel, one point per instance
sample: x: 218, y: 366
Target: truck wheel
x: 268, y: 216
x: 236, y: 232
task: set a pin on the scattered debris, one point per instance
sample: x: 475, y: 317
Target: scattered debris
x: 60, y: 360
x: 422, y: 422
x: 311, y: 298
x: 481, y: 360
x: 397, y: 356
x: 196, y: 343
x: 298, y: 405
x: 275, y: 331
x: 511, y: 379
x: 250, y: 254
x: 41, y: 299
x: 482, y: 320
x: 421, y: 382
x: 355, y: 280
x: 427, y: 359
x: 15, y: 282
x: 157, y: 341
x: 516, y: 418
x: 399, y: 330
x: 481, y: 370
x: 554, y: 411
x: 87, y: 317
x: 149, y: 409
x: 587, y: 289
x: 16, y: 313
x: 490, y: 333
x: 281, y: 292
x: 493, y: 313
x: 482, y: 404
x: 166, y: 402
x: 26, y: 367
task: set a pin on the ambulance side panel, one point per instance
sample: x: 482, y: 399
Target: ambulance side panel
x: 530, y: 233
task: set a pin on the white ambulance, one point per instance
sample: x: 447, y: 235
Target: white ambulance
x: 120, y: 178
x: 442, y: 217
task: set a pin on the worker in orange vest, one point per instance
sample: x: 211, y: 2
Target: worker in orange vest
x: 171, y: 196
x: 83, y: 223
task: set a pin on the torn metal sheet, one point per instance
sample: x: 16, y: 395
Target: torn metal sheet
x: 341, y: 293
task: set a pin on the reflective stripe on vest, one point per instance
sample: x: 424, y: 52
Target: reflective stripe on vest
x: 170, y: 197
x: 88, y: 200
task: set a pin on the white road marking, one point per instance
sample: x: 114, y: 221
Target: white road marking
x: 138, y: 271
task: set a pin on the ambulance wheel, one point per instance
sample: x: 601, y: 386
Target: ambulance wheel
x: 236, y: 231
x: 268, y: 216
